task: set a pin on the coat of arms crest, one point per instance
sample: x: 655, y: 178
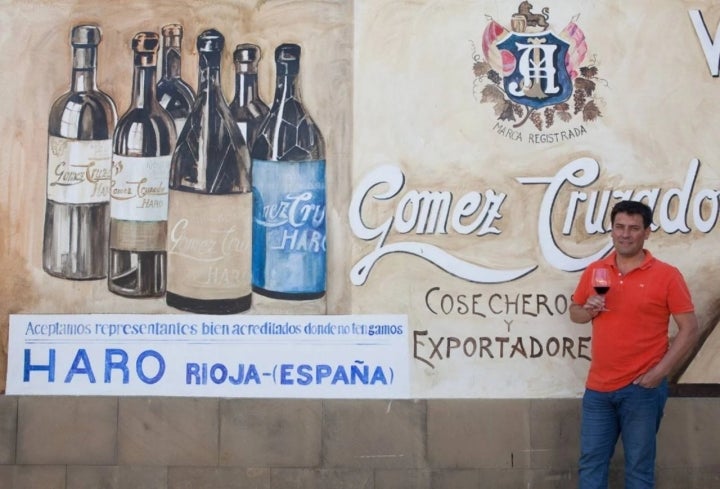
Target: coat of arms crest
x: 530, y: 73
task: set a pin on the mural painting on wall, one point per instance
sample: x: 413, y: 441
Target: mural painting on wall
x: 479, y: 247
x: 113, y: 213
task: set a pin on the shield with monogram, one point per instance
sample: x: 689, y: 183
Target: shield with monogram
x: 539, y: 76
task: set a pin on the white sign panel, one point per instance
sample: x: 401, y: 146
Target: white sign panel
x: 209, y: 356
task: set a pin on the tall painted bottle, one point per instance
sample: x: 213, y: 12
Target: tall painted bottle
x: 80, y: 128
x: 210, y: 220
x: 143, y: 143
x: 289, y: 236
x: 174, y: 94
x: 247, y: 108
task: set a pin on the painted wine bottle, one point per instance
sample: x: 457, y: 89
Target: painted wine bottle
x: 288, y: 157
x: 210, y: 219
x: 247, y: 108
x: 80, y: 127
x: 143, y: 143
x: 174, y: 94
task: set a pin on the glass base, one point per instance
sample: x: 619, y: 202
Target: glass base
x: 302, y: 296
x: 137, y: 273
x: 208, y: 306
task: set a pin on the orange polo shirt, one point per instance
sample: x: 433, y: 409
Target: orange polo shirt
x: 632, y: 336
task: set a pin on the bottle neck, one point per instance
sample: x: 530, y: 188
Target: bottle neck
x: 143, y: 92
x: 172, y: 62
x: 84, y: 71
x: 209, y: 74
x: 286, y: 87
x: 245, y: 87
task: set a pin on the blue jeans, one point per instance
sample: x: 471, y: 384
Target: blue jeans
x: 632, y: 412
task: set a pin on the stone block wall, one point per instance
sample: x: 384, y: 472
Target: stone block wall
x: 209, y: 443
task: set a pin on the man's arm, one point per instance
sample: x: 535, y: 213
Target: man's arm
x: 684, y: 341
x: 586, y: 312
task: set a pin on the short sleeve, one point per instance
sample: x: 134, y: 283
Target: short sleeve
x: 582, y: 291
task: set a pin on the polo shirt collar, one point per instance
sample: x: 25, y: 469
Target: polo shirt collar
x: 609, y: 261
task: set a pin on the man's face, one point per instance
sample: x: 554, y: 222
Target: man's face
x: 629, y: 234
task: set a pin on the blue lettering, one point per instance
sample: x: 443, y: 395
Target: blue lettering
x: 241, y: 373
x: 161, y: 366
x: 29, y: 367
x: 218, y: 373
x: 340, y: 376
x: 359, y: 372
x: 81, y: 358
x: 120, y: 365
x: 220, y: 369
x: 192, y: 373
x: 305, y: 374
x: 379, y: 376
x: 285, y: 371
x: 252, y: 374
x: 321, y: 372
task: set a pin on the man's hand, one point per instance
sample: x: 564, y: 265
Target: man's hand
x: 650, y: 379
x: 586, y: 312
x: 684, y: 341
x: 595, y: 304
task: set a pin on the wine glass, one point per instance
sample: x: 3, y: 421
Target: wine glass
x: 601, y: 281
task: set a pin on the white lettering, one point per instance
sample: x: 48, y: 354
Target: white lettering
x: 584, y: 210
x: 673, y: 209
x: 710, y: 47
x: 428, y: 213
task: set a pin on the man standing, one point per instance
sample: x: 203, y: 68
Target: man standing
x: 626, y: 388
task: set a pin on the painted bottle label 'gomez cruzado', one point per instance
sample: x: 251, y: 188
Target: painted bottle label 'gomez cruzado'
x: 289, y: 235
x: 209, y: 222
x: 209, y: 247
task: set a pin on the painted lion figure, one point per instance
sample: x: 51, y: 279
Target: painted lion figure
x: 533, y: 19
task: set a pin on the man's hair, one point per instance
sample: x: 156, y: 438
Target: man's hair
x: 631, y: 208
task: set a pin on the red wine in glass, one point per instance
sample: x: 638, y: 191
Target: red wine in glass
x: 601, y: 281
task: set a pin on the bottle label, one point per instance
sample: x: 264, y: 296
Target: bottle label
x: 289, y: 240
x: 78, y: 171
x: 139, y: 188
x: 138, y: 235
x: 208, y: 245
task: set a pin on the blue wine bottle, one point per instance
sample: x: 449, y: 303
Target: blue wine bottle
x: 289, y: 196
